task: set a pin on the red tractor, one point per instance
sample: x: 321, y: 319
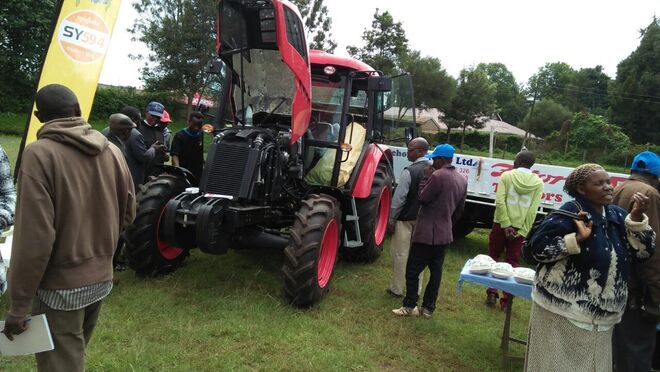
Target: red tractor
x: 298, y: 160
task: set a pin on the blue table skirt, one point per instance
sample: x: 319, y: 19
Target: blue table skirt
x: 487, y: 280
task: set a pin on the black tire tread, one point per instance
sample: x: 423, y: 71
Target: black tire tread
x: 141, y: 249
x: 301, y: 255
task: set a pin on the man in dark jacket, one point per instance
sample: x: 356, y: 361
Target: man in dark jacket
x: 75, y: 194
x: 188, y: 146
x: 153, y: 134
x: 121, y: 132
x: 634, y: 337
x: 442, y: 198
x: 403, y: 214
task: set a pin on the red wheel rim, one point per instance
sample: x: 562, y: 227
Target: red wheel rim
x: 383, y: 215
x: 167, y: 251
x: 328, y: 253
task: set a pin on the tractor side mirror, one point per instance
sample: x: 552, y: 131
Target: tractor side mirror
x: 379, y: 83
x: 409, y: 134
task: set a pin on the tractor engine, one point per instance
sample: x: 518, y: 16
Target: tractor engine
x: 242, y: 199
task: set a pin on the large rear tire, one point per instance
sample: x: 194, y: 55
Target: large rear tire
x: 310, y: 257
x: 374, y: 211
x: 147, y: 253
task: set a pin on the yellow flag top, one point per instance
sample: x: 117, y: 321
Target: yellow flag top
x: 76, y: 52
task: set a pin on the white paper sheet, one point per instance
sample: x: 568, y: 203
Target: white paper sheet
x: 35, y: 339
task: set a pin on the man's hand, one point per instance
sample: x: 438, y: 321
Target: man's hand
x: 428, y: 171
x: 14, y: 325
x: 583, y: 230
x: 640, y: 205
x: 510, y: 232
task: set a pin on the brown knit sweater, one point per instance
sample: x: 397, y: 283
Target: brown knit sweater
x: 75, y: 194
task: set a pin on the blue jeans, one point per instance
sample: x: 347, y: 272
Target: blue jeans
x: 421, y: 256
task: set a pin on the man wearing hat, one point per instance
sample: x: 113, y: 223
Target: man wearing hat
x: 634, y: 337
x: 122, y: 133
x: 442, y: 194
x: 153, y: 133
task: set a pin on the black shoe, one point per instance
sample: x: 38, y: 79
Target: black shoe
x: 491, y: 299
x: 120, y: 267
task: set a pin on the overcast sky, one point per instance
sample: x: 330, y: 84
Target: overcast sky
x: 524, y: 35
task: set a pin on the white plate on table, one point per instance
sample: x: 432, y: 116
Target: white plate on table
x: 524, y: 275
x: 502, y: 270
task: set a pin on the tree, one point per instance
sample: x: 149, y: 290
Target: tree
x: 25, y: 30
x: 317, y: 24
x: 180, y: 36
x: 635, y: 94
x: 590, y: 87
x: 385, y: 44
x: 509, y: 99
x: 593, y: 135
x: 473, y: 103
x: 548, y: 116
x: 551, y: 81
x: 432, y: 85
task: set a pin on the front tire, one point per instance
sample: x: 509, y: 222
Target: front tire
x: 310, y: 257
x: 374, y: 212
x: 147, y: 253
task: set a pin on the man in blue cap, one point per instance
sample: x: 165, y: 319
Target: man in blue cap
x: 153, y: 134
x: 442, y: 194
x: 634, y: 338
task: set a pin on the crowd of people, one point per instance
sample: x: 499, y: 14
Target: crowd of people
x: 596, y: 293
x: 595, y: 300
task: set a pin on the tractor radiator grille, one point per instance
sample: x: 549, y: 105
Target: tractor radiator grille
x: 225, y: 173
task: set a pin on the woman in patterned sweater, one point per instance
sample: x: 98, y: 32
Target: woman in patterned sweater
x: 580, y: 289
x: 7, y: 205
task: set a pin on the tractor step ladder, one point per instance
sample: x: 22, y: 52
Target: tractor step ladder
x: 355, y: 219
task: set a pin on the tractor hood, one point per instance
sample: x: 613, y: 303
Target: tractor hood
x: 263, y: 42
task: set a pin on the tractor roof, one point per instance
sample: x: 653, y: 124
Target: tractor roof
x: 320, y: 57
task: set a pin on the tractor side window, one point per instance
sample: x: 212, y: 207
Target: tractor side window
x: 395, y: 111
x: 294, y: 32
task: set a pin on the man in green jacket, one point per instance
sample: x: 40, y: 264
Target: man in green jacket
x: 518, y: 197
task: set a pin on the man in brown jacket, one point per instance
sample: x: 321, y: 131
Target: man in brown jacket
x: 75, y: 194
x: 442, y: 198
x: 634, y: 337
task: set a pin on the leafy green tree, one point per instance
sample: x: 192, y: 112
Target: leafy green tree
x: 432, y: 85
x: 590, y: 87
x: 551, y: 81
x: 473, y: 103
x: 318, y: 24
x: 180, y: 36
x: 509, y: 99
x: 385, y: 44
x: 635, y: 94
x: 548, y: 116
x: 25, y: 30
x: 595, y: 137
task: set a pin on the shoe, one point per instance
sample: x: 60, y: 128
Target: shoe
x: 426, y: 313
x: 491, y: 299
x: 406, y: 311
x: 120, y: 267
x: 391, y: 293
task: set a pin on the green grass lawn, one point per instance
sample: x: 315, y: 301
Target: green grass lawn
x: 228, y: 313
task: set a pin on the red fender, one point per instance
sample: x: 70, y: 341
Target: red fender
x: 367, y: 170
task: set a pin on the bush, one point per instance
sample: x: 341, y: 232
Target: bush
x: 110, y: 100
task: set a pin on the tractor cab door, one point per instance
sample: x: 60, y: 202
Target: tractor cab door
x: 394, y: 118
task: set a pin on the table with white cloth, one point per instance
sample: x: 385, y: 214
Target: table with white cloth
x: 507, y: 285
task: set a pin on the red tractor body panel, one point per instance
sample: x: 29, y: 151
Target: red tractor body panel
x: 319, y: 57
x: 367, y: 170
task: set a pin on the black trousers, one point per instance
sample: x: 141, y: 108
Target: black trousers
x: 421, y: 256
x: 634, y: 341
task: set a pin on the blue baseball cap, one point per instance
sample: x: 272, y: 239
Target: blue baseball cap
x: 155, y: 109
x: 445, y: 150
x: 647, y: 162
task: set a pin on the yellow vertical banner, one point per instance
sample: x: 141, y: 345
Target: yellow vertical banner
x: 76, y: 52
